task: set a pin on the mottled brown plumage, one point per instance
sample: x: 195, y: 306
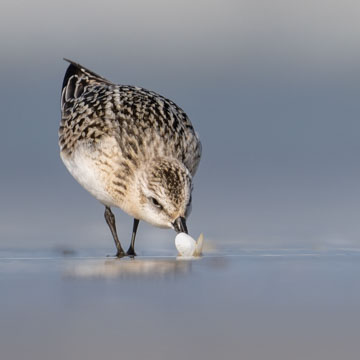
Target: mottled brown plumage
x: 129, y: 147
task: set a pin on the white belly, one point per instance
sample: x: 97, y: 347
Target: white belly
x: 87, y: 173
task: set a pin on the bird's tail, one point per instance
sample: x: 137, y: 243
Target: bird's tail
x: 76, y: 79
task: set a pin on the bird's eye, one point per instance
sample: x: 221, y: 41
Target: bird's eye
x: 155, y: 203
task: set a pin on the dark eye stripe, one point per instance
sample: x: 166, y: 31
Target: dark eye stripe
x: 155, y: 203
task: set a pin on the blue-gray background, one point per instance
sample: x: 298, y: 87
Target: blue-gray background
x: 272, y: 87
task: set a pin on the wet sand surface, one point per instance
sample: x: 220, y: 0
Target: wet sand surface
x: 238, y: 304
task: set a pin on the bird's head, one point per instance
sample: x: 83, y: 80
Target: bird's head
x: 163, y: 190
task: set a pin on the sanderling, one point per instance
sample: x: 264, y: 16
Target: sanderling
x: 130, y: 148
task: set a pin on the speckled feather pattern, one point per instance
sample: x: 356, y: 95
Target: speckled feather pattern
x: 119, y: 128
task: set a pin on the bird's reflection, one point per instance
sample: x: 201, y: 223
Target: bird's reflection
x: 130, y: 268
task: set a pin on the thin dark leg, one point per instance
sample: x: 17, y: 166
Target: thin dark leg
x: 131, y: 251
x: 110, y: 220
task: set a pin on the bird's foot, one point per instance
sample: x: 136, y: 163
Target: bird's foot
x: 131, y: 252
x: 120, y: 254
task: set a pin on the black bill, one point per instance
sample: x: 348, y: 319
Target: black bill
x: 180, y: 225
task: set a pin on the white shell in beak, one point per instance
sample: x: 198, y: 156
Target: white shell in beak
x: 187, y: 246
